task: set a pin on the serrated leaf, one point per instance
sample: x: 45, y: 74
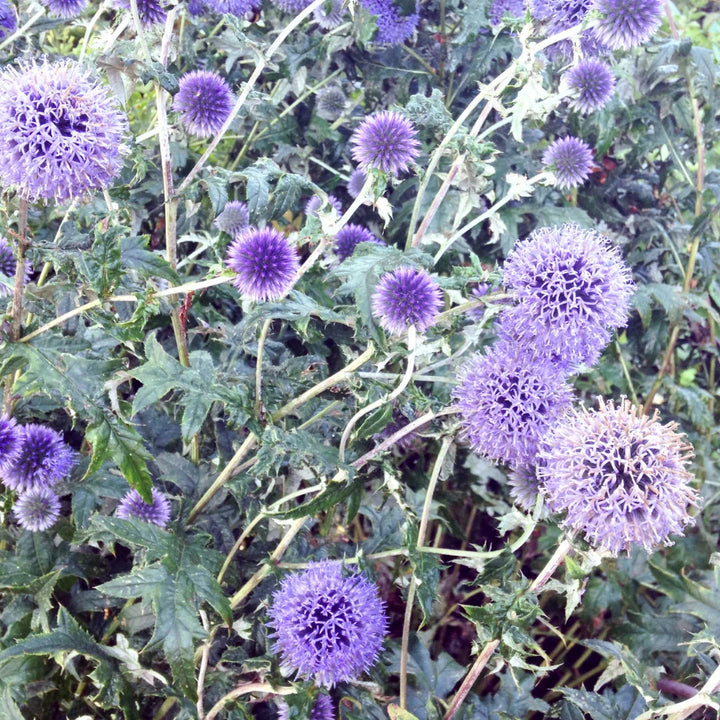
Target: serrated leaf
x: 375, y: 423
x: 101, y: 265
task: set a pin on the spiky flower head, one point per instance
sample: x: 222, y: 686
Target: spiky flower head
x: 507, y: 401
x: 594, y: 83
x: 385, y: 141
x: 327, y: 627
x: 7, y: 268
x: 331, y: 101
x: 356, y: 182
x: 150, y: 12
x: 322, y: 709
x: 572, y: 288
x: 42, y: 459
x: 500, y: 8
x: 625, y: 24
x: 37, y: 509
x: 132, y: 505
x: 330, y: 14
x: 394, y: 26
x: 570, y: 159
x: 234, y: 219
x: 315, y: 203
x: 8, y: 19
x: 524, y: 486
x: 203, y: 102
x: 10, y: 441
x: 562, y: 15
x: 61, y: 131
x: 265, y: 262
x: 620, y: 476
x: 406, y: 296
x: 349, y: 237
x: 65, y: 8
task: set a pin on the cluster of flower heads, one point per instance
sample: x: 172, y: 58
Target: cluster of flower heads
x: 203, y: 102
x: 132, y: 505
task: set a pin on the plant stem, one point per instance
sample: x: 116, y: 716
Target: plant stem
x: 245, y: 690
x: 20, y: 32
x: 258, y: 367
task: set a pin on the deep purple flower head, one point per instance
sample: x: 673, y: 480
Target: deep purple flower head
x: 315, y: 203
x: 385, y: 141
x: 620, y: 475
x: 65, y: 8
x: 234, y: 219
x: 627, y: 23
x: 330, y: 14
x: 42, y: 460
x: 572, y: 289
x: 570, y: 159
x: 10, y: 441
x: 350, y: 237
x: 151, y: 12
x: 37, y: 509
x: 327, y: 627
x: 500, y: 8
x: 204, y: 102
x: 507, y: 401
x: 266, y: 264
x: 7, y: 267
x: 132, y: 505
x: 356, y: 182
x: 8, y: 19
x: 406, y: 296
x: 61, y: 131
x: 594, y: 82
x: 331, y: 101
x: 394, y: 27
x: 524, y: 486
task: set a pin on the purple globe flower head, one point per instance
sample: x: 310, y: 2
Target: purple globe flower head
x: 41, y: 461
x: 7, y: 267
x: 571, y: 287
x: 562, y: 15
x: 37, y: 509
x: 330, y: 15
x: 385, y: 141
x: 203, y: 102
x: 150, y: 12
x: 266, y: 264
x: 594, y: 83
x: 394, y: 27
x: 234, y: 219
x: 625, y: 24
x: 8, y: 19
x: 620, y: 476
x: 507, y: 401
x: 10, y: 441
x: 315, y: 203
x: 406, y: 296
x: 61, y: 129
x: 570, y: 159
x: 349, y: 237
x: 500, y: 8
x: 524, y: 486
x: 327, y: 627
x: 331, y: 101
x: 65, y: 8
x: 132, y: 505
x: 321, y: 710
x: 356, y: 182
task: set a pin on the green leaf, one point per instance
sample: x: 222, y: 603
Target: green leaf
x: 101, y: 265
x: 136, y: 256
x: 376, y: 422
x: 289, y: 190
x: 397, y: 713
x: 8, y: 709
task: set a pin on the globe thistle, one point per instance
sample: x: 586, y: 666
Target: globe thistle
x: 7, y: 267
x: 570, y: 159
x: 266, y: 264
x: 321, y: 710
x: 65, y: 8
x: 356, y: 182
x: 330, y: 14
x: 37, y: 509
x: 8, y: 19
x: 349, y: 237
x: 620, y: 476
x: 625, y: 24
x: 385, y: 141
x: 331, y: 102
x: 10, y: 441
x: 394, y: 27
x: 203, y: 102
x: 42, y: 459
x: 150, y: 12
x: 507, y: 401
x: 571, y: 287
x: 327, y: 627
x: 406, y: 296
x: 315, y: 203
x: 61, y: 131
x: 562, y: 15
x: 524, y: 486
x: 594, y: 83
x: 234, y: 219
x: 157, y: 512
x: 500, y: 8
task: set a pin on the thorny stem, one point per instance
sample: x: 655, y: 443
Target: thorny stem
x: 245, y: 690
x: 258, y: 367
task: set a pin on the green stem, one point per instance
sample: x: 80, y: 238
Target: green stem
x: 626, y: 372
x: 258, y: 367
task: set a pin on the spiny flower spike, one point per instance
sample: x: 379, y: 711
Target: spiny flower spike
x: 385, y: 141
x: 37, y: 509
x: 625, y: 24
x: 203, y: 102
x: 157, y: 512
x: 620, y: 476
x: 571, y: 160
x: 594, y: 83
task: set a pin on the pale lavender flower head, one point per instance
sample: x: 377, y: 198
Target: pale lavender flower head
x: 234, y: 219
x: 349, y: 237
x: 330, y: 14
x: 356, y: 182
x: 42, y: 460
x: 37, y: 509
x: 594, y: 82
x: 315, y: 203
x: 151, y: 12
x: 203, y: 102
x: 331, y: 102
x: 394, y: 27
x: 385, y: 141
x: 65, y: 8
x: 500, y: 8
x: 507, y: 401
x: 8, y: 19
x: 570, y: 159
x: 524, y: 486
x: 406, y: 296
x: 265, y: 262
x: 626, y: 24
x: 10, y: 441
x: 7, y: 267
x: 620, y: 476
x: 572, y: 288
x: 327, y: 627
x: 132, y: 505
x: 61, y: 131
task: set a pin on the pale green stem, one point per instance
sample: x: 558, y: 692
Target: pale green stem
x: 258, y: 367
x: 246, y: 690
x: 88, y: 31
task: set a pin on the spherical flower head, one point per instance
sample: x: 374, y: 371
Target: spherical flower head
x: 150, y: 12
x: 350, y: 237
x: 234, y: 219
x: 385, y: 141
x: 265, y: 262
x: 327, y: 627
x: 8, y: 19
x: 331, y: 101
x: 507, y: 401
x: 356, y: 182
x: 500, y: 8
x: 572, y: 288
x: 37, y: 509
x: 406, y: 296
x: 65, y: 8
x: 61, y: 131
x: 620, y: 476
x: 42, y: 460
x: 625, y: 24
x: 7, y: 268
x: 594, y: 83
x: 10, y: 441
x: 524, y: 487
x: 330, y: 14
x: 394, y: 27
x: 570, y: 159
x: 203, y: 102
x: 157, y: 512
x: 315, y: 203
